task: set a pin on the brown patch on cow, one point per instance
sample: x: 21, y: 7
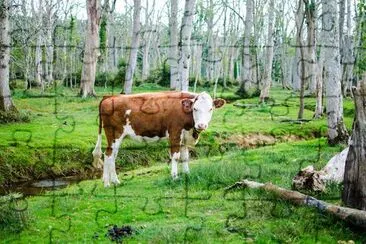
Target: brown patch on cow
x: 150, y: 106
x: 218, y: 103
x: 187, y: 105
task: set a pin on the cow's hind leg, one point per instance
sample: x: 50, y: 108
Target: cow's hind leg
x: 109, y: 170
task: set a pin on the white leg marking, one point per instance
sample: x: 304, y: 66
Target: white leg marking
x: 107, y: 169
x: 175, y: 159
x: 97, y: 153
x: 109, y: 172
x: 184, y: 157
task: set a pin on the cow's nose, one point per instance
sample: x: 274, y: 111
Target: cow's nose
x: 202, y: 126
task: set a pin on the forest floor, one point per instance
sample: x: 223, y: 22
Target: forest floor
x: 261, y: 142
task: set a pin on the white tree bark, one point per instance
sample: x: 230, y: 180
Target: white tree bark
x: 184, y: 45
x: 6, y: 103
x: 310, y: 67
x: 146, y: 41
x: 267, y: 79
x: 347, y: 58
x: 336, y: 128
x: 91, y: 50
x: 247, y: 66
x: 173, y: 44
x: 134, y: 48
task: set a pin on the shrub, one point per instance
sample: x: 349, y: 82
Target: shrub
x: 14, y: 116
x: 76, y: 78
x: 160, y: 76
x: 104, y: 79
x: 13, y: 213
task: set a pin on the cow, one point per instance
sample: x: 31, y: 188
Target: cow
x: 178, y: 116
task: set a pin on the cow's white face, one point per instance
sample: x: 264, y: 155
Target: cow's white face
x: 202, y: 107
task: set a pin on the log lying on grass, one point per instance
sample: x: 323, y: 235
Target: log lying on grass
x: 353, y: 216
x: 310, y: 179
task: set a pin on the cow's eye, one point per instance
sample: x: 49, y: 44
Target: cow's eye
x: 195, y: 109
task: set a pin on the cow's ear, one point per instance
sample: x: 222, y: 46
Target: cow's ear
x: 187, y: 105
x: 218, y: 103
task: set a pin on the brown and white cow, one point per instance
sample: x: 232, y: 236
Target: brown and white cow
x: 178, y: 116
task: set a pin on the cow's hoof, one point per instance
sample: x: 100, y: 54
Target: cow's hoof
x: 175, y: 177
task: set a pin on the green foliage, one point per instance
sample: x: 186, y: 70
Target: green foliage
x: 160, y: 76
x: 119, y: 78
x: 105, y: 79
x: 76, y: 78
x: 10, y: 219
x: 103, y: 36
x: 14, y: 116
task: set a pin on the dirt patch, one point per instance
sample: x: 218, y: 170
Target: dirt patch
x: 259, y: 140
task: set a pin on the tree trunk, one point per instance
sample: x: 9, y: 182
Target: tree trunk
x: 6, y: 103
x: 336, y: 129
x: 184, y: 45
x: 319, y: 91
x: 354, y: 192
x: 247, y: 66
x: 300, y: 15
x: 347, y: 58
x: 134, y: 48
x: 173, y: 50
x: 267, y: 74
x: 91, y: 51
x: 310, y: 67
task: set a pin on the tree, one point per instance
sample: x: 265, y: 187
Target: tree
x: 336, y: 129
x: 91, y: 50
x: 184, y: 45
x: 135, y: 40
x: 173, y: 43
x: 267, y: 79
x: 6, y: 103
x: 247, y: 66
x: 354, y: 192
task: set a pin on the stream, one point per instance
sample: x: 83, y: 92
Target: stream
x: 38, y: 187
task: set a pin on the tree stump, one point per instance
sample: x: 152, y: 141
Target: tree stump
x: 354, y: 192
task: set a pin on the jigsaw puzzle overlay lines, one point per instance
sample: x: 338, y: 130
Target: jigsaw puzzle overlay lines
x: 279, y: 111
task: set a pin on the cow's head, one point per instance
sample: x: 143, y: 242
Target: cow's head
x: 202, y: 107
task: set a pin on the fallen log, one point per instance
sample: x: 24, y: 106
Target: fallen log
x: 350, y: 215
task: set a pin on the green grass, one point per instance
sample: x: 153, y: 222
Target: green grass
x: 61, y: 144
x: 151, y: 202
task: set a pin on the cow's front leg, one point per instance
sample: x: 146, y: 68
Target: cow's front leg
x: 175, y: 155
x: 184, y: 157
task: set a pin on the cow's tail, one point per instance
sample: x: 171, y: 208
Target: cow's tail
x: 97, y: 152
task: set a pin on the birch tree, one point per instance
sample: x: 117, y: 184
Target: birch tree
x: 247, y: 66
x: 184, y: 45
x: 267, y: 79
x: 38, y: 51
x: 173, y: 43
x: 336, y: 129
x: 91, y: 50
x: 6, y: 103
x: 135, y: 40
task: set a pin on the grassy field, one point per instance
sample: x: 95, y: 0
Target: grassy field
x: 191, y: 209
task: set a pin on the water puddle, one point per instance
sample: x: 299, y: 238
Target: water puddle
x: 38, y: 187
